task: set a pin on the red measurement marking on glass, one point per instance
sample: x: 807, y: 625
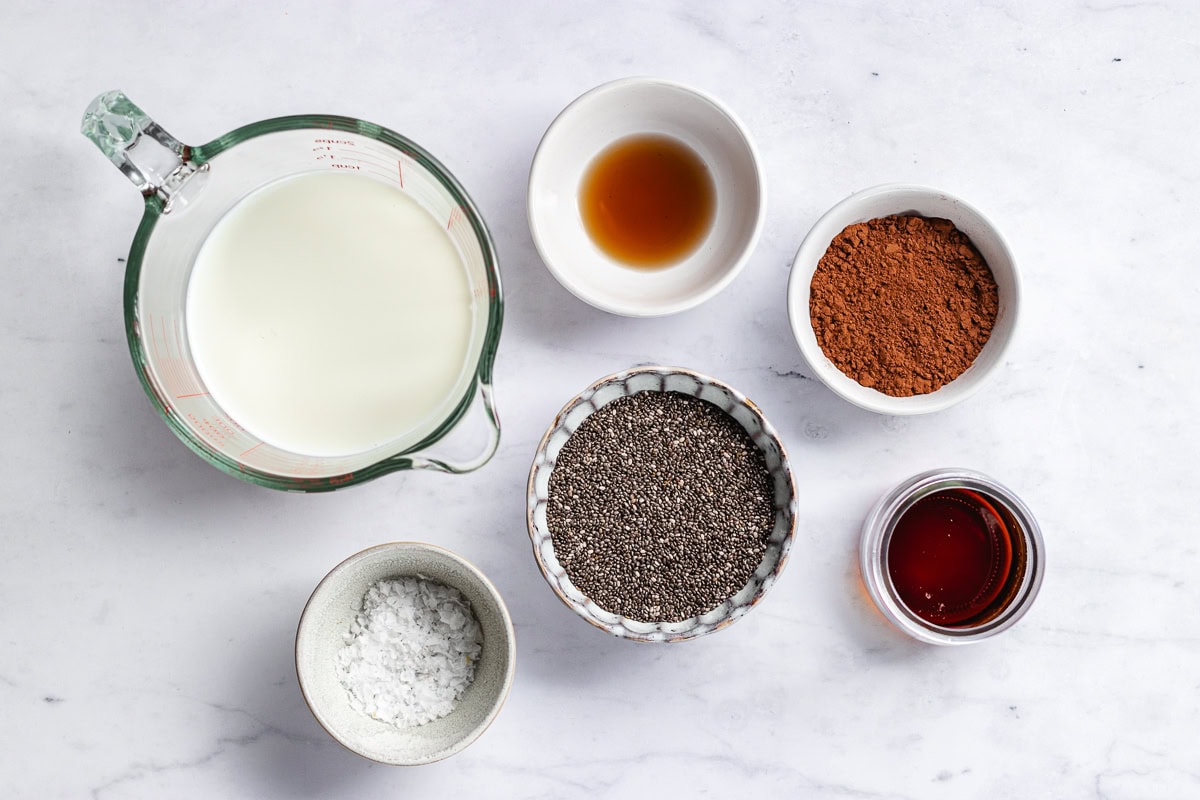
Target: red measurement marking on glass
x: 455, y: 216
x: 189, y: 381
x: 153, y: 343
x: 157, y: 374
x: 252, y: 449
x: 400, y: 172
x: 171, y: 370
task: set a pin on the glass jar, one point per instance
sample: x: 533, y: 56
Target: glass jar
x: 1017, y: 587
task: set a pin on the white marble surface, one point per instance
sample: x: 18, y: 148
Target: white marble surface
x: 148, y: 603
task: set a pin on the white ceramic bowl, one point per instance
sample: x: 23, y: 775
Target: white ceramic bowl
x: 733, y: 403
x: 326, y: 620
x: 624, y: 108
x: 882, y: 201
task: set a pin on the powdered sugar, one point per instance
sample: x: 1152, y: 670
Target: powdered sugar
x: 410, y: 652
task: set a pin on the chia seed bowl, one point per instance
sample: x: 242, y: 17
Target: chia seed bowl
x: 774, y: 517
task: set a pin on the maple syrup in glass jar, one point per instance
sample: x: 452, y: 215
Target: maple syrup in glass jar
x: 950, y: 556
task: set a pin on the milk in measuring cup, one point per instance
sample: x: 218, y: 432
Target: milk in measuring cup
x: 329, y: 314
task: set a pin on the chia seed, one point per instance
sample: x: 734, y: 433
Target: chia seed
x: 660, y: 507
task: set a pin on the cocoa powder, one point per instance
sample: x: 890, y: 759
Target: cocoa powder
x: 903, y: 304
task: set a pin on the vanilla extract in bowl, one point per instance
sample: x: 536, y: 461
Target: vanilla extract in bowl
x: 646, y: 197
x: 647, y: 200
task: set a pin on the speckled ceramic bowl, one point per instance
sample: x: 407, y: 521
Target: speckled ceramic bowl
x: 326, y: 620
x: 662, y: 379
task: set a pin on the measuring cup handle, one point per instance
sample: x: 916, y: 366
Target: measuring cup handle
x: 155, y: 161
x: 483, y: 398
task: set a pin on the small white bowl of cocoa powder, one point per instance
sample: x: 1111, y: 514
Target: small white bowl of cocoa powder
x: 903, y: 299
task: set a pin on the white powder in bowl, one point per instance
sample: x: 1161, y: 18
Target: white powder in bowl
x: 410, y: 652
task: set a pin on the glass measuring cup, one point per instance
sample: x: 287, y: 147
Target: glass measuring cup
x: 189, y: 189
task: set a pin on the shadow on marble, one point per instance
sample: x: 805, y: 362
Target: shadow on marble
x: 867, y: 627
x: 299, y: 759
x: 125, y: 449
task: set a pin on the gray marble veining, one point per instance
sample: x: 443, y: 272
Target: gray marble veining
x: 148, y: 603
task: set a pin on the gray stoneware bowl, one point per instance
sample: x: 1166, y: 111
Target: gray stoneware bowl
x: 326, y: 619
x: 662, y: 379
